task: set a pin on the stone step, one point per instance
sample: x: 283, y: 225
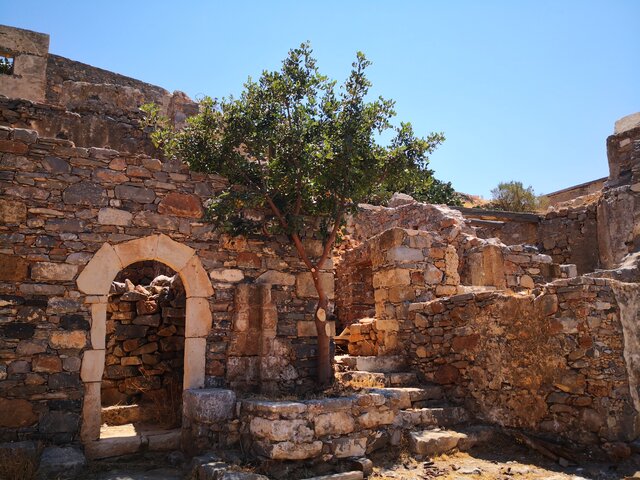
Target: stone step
x: 354, y: 475
x: 376, y: 379
x: 437, y: 442
x: 408, y: 397
x: 127, y: 439
x: 447, y: 416
x: 380, y: 364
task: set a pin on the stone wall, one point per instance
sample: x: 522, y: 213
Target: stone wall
x: 63, y: 206
x: 557, y: 364
x: 575, y: 191
x: 570, y: 235
x: 511, y: 228
x: 145, y: 342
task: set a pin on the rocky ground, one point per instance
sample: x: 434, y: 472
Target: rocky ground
x: 501, y: 460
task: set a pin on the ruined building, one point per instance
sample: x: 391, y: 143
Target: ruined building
x: 114, y: 292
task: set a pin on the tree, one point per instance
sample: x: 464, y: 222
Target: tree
x: 293, y: 145
x: 513, y: 197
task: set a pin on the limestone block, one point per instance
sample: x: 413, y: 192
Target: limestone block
x: 434, y: 442
x: 137, y: 250
x: 401, y: 294
x: 306, y: 288
x: 92, y: 365
x: 173, y: 253
x: 432, y: 275
x: 402, y: 254
x: 53, y: 271
x: 226, y: 275
x: 293, y: 451
x: 374, y: 418
x: 526, y: 282
x: 194, y: 362
x: 113, y: 447
x: 97, y: 276
x: 210, y: 405
x: 113, y: 216
x: 333, y: 423
x: 91, y: 407
x: 281, y: 430
x: 349, y: 447
x: 275, y: 277
x: 198, y: 317
x: 392, y: 277
x: 98, y: 325
x: 195, y: 280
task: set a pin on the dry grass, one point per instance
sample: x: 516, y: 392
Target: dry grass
x: 18, y: 465
x: 164, y: 407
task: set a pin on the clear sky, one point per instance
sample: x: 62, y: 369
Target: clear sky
x: 523, y: 90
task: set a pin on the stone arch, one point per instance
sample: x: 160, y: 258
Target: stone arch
x: 95, y: 281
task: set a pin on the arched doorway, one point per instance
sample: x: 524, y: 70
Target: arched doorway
x: 95, y: 281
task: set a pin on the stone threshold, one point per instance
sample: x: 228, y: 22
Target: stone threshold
x: 117, y: 440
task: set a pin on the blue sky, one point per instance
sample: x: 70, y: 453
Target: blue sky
x: 523, y: 90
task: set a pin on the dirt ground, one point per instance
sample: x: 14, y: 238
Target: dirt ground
x: 498, y: 461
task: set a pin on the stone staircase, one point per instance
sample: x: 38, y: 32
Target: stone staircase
x: 434, y: 426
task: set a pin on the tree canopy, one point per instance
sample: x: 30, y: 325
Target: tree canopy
x: 513, y: 197
x: 296, y: 146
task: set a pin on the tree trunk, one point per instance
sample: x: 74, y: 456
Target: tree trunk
x: 325, y: 373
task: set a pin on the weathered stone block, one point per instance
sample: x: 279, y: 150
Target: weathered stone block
x: 349, y: 447
x: 53, y: 271
x: 334, y: 423
x: 113, y: 216
x: 181, y: 205
x: 13, y: 268
x: 16, y: 413
x: 209, y: 405
x: 63, y: 340
x: 12, y: 211
x: 86, y: 194
x: 281, y: 430
x: 306, y: 288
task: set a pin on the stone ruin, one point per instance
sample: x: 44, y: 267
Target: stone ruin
x: 112, y: 286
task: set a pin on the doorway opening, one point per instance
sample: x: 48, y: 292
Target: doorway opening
x: 141, y: 389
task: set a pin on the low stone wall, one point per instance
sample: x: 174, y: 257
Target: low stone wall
x: 510, y: 227
x: 556, y: 364
x: 372, y: 337
x: 518, y: 267
x: 312, y: 429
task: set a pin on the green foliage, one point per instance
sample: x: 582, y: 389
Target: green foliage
x: 513, y: 197
x: 298, y: 146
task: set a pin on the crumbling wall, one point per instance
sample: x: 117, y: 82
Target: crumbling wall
x: 28, y: 51
x: 554, y: 364
x: 570, y: 235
